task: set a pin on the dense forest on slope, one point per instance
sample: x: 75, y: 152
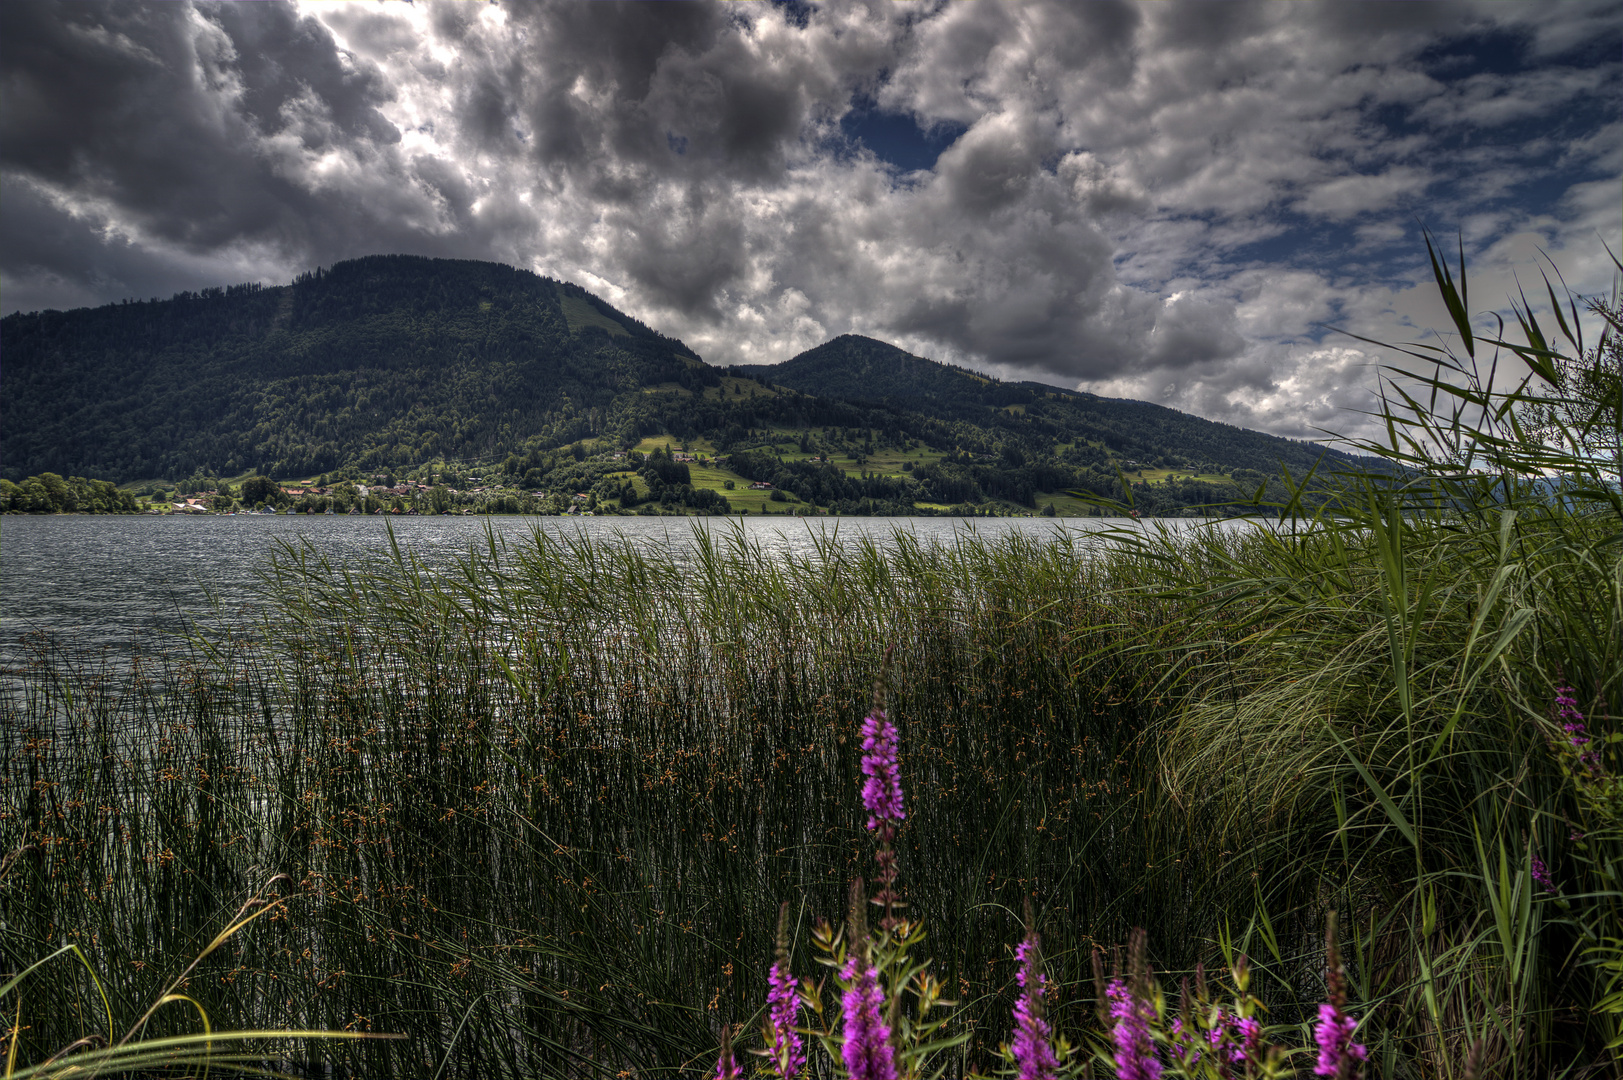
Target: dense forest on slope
x: 860, y: 369
x: 380, y: 361
x: 398, y: 363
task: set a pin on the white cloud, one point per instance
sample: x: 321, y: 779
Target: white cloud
x: 687, y: 162
x: 1349, y: 196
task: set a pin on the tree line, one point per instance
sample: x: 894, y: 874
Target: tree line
x: 49, y: 493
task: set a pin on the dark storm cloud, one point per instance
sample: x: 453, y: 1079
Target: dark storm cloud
x: 1100, y: 180
x: 661, y: 117
x: 209, y: 138
x: 684, y: 254
x: 993, y: 164
x: 54, y: 262
x: 374, y: 32
x: 580, y: 80
x: 161, y: 112
x: 280, y: 58
x: 1190, y: 332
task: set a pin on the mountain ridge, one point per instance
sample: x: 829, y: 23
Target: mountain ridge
x: 224, y: 378
x: 860, y: 369
x: 396, y: 362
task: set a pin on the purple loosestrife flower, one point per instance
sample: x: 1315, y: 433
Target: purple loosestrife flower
x: 882, y: 791
x: 1234, y: 1038
x: 1338, y: 1055
x: 1541, y: 874
x: 867, y: 1049
x: 788, y: 1055
x: 785, y: 1051
x: 882, y: 797
x: 726, y: 1067
x: 1250, y: 1035
x: 1033, y: 1046
x: 1572, y: 722
x: 1135, y: 1051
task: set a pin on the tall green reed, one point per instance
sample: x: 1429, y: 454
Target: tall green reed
x: 1365, y: 710
x: 537, y: 803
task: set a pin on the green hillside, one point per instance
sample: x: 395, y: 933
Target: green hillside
x: 428, y: 369
x: 860, y: 369
x: 383, y: 361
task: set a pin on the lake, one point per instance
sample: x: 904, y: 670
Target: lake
x: 128, y: 582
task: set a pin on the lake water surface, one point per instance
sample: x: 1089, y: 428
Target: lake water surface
x: 127, y: 582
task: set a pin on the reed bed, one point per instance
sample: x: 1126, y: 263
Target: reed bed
x: 537, y: 809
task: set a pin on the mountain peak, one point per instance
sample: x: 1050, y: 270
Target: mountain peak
x: 866, y: 369
x: 872, y: 372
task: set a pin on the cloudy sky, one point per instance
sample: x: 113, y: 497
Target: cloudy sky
x: 1167, y: 201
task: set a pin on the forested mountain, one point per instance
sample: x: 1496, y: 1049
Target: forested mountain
x: 413, y: 365
x: 381, y: 361
x: 862, y: 370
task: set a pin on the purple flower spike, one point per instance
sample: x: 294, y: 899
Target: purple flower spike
x: 1249, y: 1032
x: 1572, y: 722
x: 1135, y: 1051
x: 867, y: 1049
x: 1033, y: 1038
x: 788, y: 1055
x: 726, y: 1067
x: 882, y: 791
x: 1541, y: 874
x: 1339, y: 1056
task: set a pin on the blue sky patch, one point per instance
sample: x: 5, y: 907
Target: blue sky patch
x: 896, y: 139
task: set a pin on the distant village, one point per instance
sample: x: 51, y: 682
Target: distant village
x: 810, y: 472
x: 379, y: 496
x: 447, y: 492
